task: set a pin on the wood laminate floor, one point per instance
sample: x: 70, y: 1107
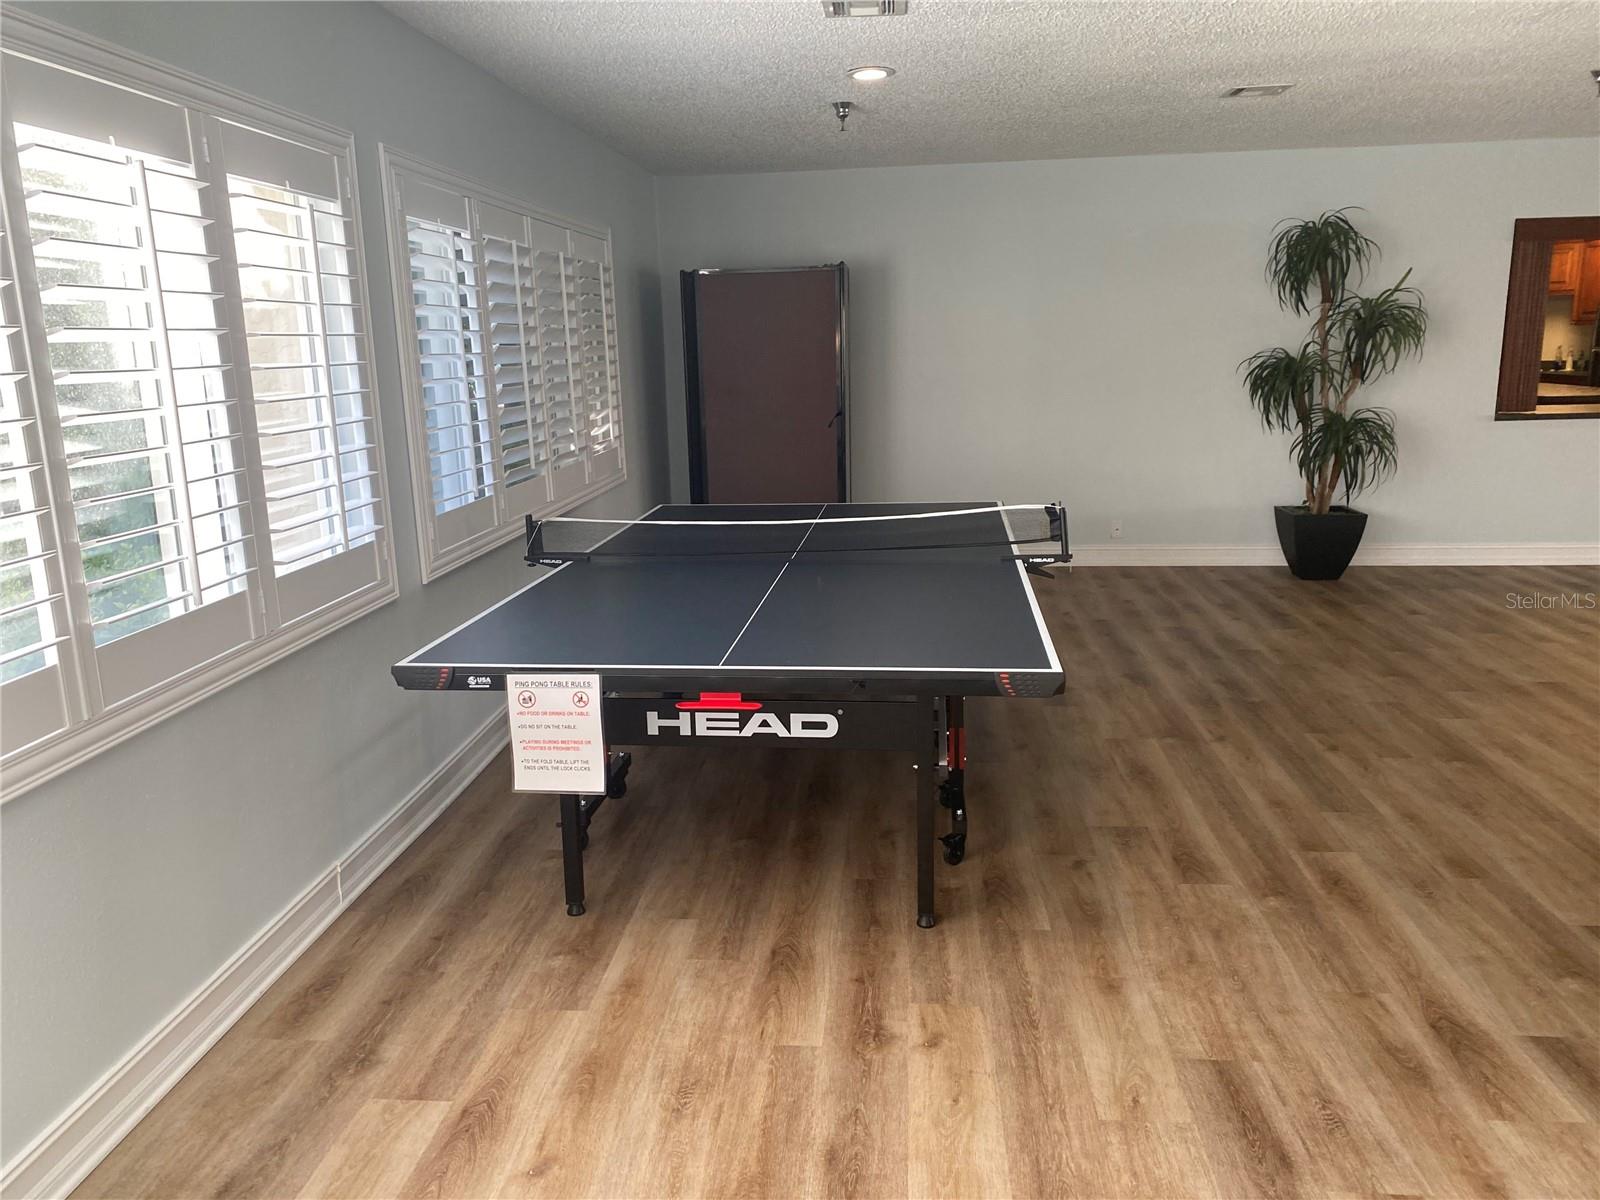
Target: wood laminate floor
x: 1296, y: 892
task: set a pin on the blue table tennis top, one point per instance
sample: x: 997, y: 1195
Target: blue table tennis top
x: 797, y: 609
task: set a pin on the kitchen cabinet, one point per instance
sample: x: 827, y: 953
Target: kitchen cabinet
x: 1565, y: 260
x: 1586, y: 293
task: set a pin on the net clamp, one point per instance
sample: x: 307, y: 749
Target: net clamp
x: 1035, y: 562
x: 534, y: 552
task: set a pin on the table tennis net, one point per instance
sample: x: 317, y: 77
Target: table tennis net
x: 1031, y: 532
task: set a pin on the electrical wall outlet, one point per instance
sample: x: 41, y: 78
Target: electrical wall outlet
x: 1116, y: 529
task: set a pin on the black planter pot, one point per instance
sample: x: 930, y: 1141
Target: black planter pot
x: 1318, y: 547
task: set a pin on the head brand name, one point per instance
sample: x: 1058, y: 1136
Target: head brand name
x: 733, y: 724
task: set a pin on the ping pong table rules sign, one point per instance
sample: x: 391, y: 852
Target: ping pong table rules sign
x: 557, y: 740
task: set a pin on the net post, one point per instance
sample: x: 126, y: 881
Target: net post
x: 533, y: 540
x: 1057, y: 513
x: 537, y: 554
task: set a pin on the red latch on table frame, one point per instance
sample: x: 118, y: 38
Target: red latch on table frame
x: 956, y: 748
x: 721, y: 702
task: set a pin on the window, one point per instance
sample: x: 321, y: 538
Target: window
x: 1550, y: 352
x: 514, y: 392
x: 190, y: 476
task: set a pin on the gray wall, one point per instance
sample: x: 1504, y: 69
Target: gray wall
x: 1072, y: 329
x: 128, y: 881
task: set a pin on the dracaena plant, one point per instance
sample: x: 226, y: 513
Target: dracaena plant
x: 1314, y: 266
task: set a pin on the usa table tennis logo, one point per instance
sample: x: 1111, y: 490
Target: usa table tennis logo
x: 729, y: 714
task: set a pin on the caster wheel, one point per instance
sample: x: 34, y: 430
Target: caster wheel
x: 583, y: 843
x: 617, y: 776
x: 574, y: 910
x: 924, y: 920
x: 954, y: 855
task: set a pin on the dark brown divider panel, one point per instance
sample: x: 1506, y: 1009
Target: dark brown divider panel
x: 765, y: 361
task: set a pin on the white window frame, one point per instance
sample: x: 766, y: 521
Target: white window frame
x: 438, y: 554
x: 88, y: 731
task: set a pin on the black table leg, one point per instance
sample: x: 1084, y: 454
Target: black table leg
x: 952, y: 791
x: 927, y: 805
x: 572, y: 852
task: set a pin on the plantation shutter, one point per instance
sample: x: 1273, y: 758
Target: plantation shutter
x: 48, y: 97
x: 515, y: 364
x: 597, y: 372
x: 452, y: 369
x: 140, y: 381
x: 514, y: 398
x: 554, y: 272
x: 190, y: 474
x: 304, y: 320
x: 35, y: 650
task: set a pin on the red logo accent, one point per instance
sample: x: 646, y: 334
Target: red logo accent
x: 721, y: 702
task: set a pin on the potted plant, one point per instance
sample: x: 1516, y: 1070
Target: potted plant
x: 1315, y: 265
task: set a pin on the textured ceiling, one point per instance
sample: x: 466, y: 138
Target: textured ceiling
x: 687, y: 86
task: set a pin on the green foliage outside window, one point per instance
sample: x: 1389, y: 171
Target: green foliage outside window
x: 90, y: 481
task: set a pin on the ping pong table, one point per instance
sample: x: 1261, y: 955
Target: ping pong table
x: 802, y: 625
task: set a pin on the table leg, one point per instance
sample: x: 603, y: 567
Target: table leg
x: 952, y: 791
x: 927, y: 805
x: 572, y: 852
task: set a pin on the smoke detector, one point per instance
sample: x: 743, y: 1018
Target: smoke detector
x: 863, y: 8
x: 1256, y: 91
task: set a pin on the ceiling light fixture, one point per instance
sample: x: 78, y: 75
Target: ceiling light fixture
x: 870, y: 74
x: 863, y: 8
x: 1256, y: 91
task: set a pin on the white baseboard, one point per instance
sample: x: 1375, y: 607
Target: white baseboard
x: 1119, y: 554
x: 1487, y: 554
x: 61, y: 1157
x: 1380, y: 554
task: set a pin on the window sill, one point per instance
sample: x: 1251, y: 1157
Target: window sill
x: 460, y: 555
x: 1552, y: 412
x: 43, y: 761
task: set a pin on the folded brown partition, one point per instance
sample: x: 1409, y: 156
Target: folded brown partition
x: 766, y: 382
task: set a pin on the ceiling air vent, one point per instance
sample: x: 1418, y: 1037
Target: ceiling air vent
x: 1256, y: 90
x: 863, y: 8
